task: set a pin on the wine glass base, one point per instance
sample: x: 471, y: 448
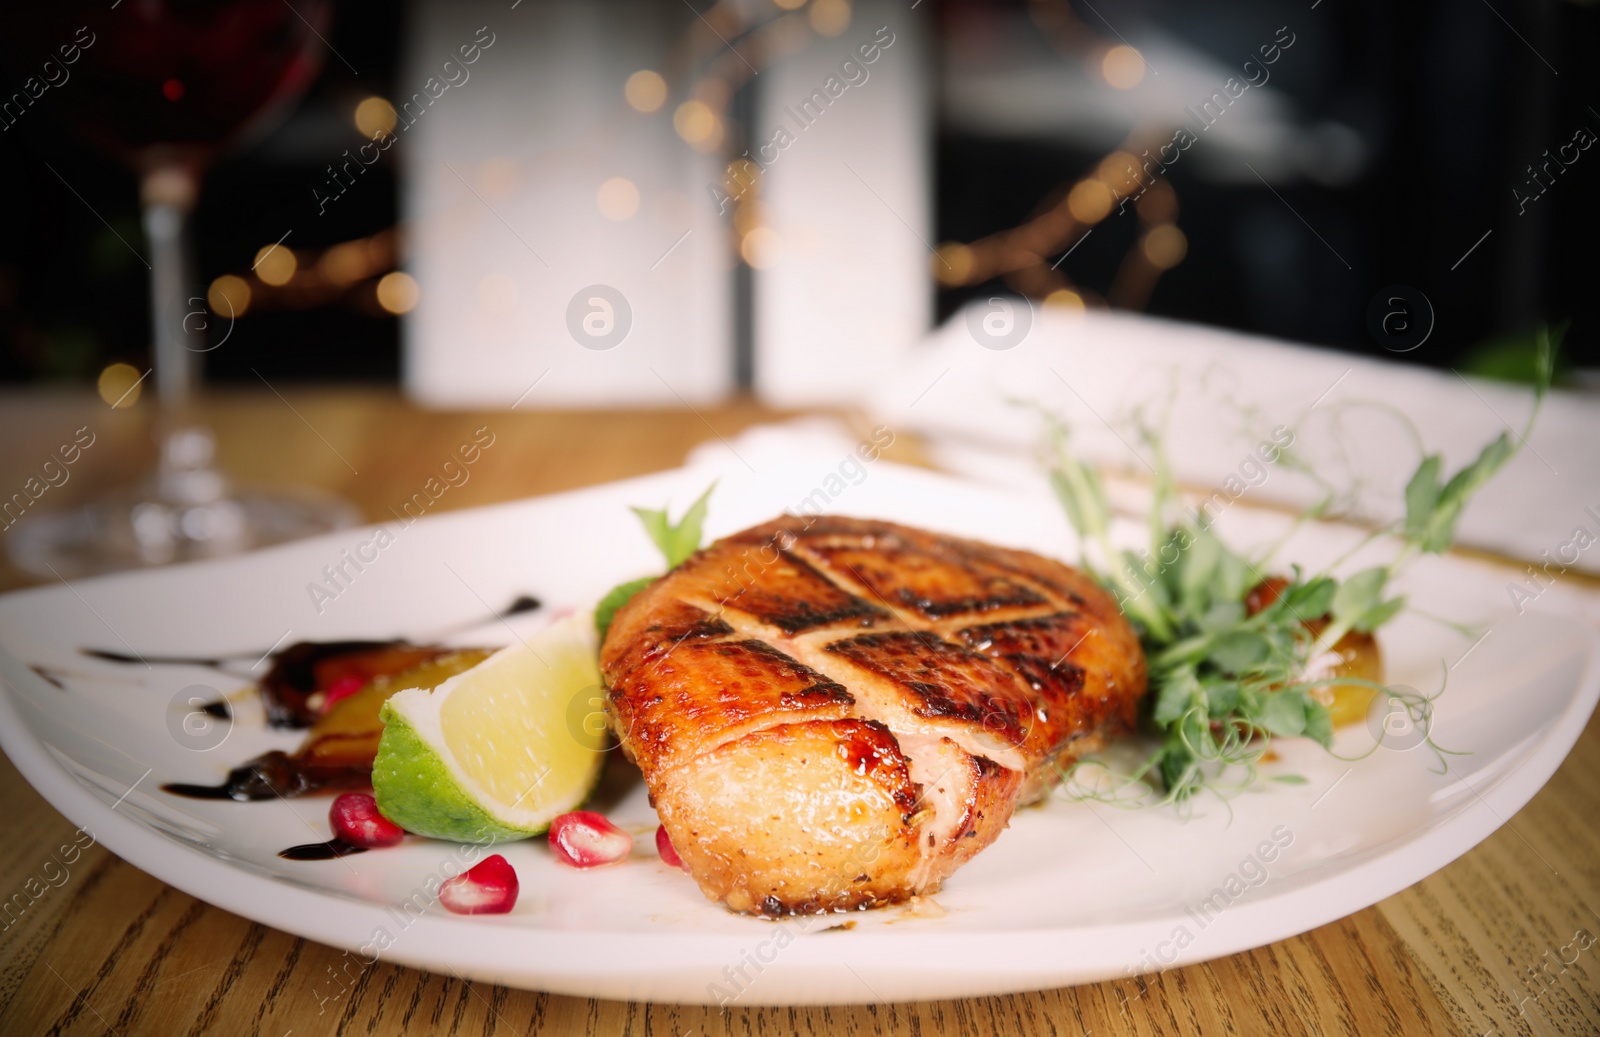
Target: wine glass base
x: 134, y: 531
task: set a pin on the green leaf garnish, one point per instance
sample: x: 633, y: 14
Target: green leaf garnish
x: 1319, y: 724
x: 1359, y: 595
x: 615, y: 598
x: 676, y: 542
x: 1422, y: 494
x: 1224, y: 681
x: 1312, y: 598
x: 1280, y: 712
x: 1433, y: 510
x: 1439, y: 530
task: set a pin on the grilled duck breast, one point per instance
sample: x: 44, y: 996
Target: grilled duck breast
x: 833, y: 713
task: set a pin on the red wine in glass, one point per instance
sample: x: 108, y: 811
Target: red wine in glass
x: 173, y: 77
x: 166, y: 86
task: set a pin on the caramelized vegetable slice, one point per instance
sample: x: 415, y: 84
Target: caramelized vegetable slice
x: 1354, y: 655
x: 337, y: 754
x: 303, y: 674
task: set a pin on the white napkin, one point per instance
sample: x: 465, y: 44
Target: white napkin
x: 1222, y: 395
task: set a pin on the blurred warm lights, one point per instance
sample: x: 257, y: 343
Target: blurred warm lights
x: 1118, y: 170
x: 375, y: 117
x: 1065, y: 299
x: 952, y: 263
x: 1164, y: 246
x: 1020, y: 257
x: 749, y: 215
x: 645, y: 90
x: 498, y: 177
x: 397, y: 292
x: 742, y: 178
x: 617, y: 198
x: 830, y: 17
x: 275, y: 265
x: 1090, y: 201
x: 1123, y: 67
x: 715, y: 91
x: 228, y: 296
x: 285, y: 279
x: 1025, y: 257
x: 344, y: 263
x: 761, y: 248
x: 119, y: 385
x: 698, y: 124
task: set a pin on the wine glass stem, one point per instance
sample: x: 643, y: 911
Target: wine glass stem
x: 187, y: 477
x: 176, y: 351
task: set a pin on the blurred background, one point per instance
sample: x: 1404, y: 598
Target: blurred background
x: 263, y: 240
x: 1414, y: 145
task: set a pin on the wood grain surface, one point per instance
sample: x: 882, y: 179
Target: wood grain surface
x: 112, y: 950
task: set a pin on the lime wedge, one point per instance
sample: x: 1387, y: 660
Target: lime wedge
x: 491, y: 754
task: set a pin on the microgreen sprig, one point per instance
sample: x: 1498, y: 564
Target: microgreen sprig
x: 1229, y: 664
x: 675, y: 540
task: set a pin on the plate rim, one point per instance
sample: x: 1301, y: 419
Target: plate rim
x: 584, y: 964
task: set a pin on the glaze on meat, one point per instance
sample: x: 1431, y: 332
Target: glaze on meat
x: 834, y: 713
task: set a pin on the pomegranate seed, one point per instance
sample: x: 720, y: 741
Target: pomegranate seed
x: 664, y: 847
x: 584, y: 839
x: 489, y: 888
x: 355, y: 819
x: 342, y: 688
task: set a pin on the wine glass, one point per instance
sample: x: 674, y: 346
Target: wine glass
x: 166, y: 86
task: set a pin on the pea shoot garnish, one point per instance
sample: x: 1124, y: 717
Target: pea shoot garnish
x: 1239, y: 650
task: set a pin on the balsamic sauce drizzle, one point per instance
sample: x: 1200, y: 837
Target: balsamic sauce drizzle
x: 321, y: 851
x: 188, y: 791
x: 273, y: 774
x: 520, y: 604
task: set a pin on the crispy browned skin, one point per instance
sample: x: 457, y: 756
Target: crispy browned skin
x: 834, y: 713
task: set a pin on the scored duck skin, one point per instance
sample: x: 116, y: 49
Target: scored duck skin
x: 836, y: 713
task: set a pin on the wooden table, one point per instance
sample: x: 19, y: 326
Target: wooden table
x: 114, y: 950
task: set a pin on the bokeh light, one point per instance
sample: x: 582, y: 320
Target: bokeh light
x: 228, y: 296
x: 617, y: 198
x: 1123, y: 67
x: 397, y: 292
x: 1090, y: 201
x: 120, y: 385
x: 275, y: 265
x: 1118, y: 170
x: 645, y: 90
x: 1165, y: 246
x: 375, y: 117
x: 697, y: 124
x: 952, y: 263
x: 761, y: 248
x: 830, y: 17
x: 1065, y: 299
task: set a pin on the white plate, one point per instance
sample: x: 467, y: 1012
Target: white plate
x: 1071, y: 893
